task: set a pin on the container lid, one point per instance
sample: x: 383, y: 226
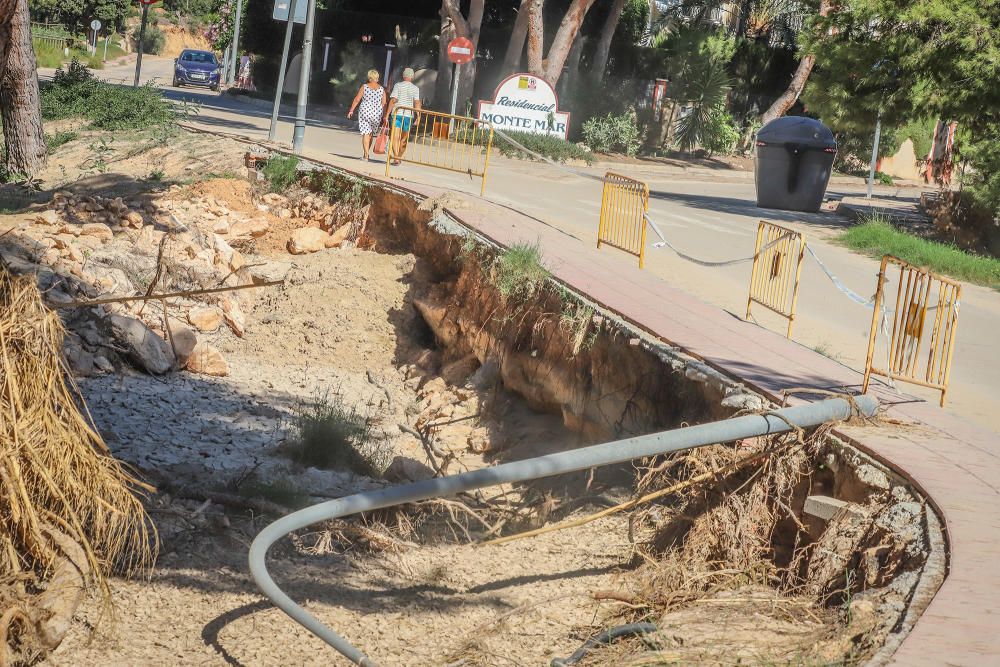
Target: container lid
x: 798, y: 130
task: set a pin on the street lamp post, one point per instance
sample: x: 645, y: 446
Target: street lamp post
x: 299, y: 135
x: 273, y: 131
x: 233, y: 62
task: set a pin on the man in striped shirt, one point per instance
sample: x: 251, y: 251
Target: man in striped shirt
x: 404, y: 94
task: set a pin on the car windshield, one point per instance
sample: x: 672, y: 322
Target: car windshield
x: 198, y: 57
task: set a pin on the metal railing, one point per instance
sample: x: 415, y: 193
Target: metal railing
x: 624, y: 204
x: 656, y: 444
x: 777, y: 267
x: 440, y: 140
x: 914, y: 291
x: 57, y: 42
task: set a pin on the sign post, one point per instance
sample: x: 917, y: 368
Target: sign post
x: 142, y: 36
x: 95, y: 25
x: 460, y: 51
x: 290, y: 10
x: 230, y: 74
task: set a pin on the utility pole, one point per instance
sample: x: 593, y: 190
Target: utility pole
x: 307, y: 47
x: 234, y: 61
x: 272, y: 133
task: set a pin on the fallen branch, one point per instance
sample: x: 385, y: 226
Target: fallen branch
x: 704, y: 477
x: 170, y: 295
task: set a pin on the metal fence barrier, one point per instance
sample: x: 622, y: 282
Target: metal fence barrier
x: 441, y: 140
x: 777, y: 267
x: 915, y: 296
x: 624, y: 205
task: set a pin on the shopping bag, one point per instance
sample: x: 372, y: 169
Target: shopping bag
x: 382, y: 140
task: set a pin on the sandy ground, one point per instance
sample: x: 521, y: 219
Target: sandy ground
x: 345, y: 314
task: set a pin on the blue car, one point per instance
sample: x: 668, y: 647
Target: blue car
x: 197, y: 68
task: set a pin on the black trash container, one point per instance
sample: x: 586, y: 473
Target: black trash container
x: 794, y: 161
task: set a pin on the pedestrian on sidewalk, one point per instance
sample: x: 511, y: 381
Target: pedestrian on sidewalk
x: 371, y: 98
x: 404, y: 94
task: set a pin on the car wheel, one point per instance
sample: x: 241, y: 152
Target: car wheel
x: 177, y: 84
x: 215, y: 88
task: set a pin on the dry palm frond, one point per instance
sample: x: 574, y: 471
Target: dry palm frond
x: 57, y: 478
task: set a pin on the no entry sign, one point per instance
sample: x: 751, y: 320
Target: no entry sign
x: 460, y: 50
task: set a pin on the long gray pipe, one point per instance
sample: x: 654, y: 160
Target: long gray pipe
x: 619, y: 451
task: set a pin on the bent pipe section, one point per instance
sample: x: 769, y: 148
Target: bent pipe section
x: 619, y: 451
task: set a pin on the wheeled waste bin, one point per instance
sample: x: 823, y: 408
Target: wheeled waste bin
x: 794, y: 161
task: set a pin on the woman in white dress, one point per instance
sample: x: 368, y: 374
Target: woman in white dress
x: 371, y: 99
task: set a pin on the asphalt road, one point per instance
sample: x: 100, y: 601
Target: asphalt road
x: 711, y: 217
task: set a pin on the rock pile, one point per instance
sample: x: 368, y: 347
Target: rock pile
x: 90, y: 247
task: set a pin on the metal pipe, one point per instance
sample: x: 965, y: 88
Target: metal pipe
x: 620, y: 451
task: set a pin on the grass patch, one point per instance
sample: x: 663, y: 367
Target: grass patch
x: 518, y: 273
x: 877, y: 236
x: 54, y: 141
x: 281, y: 491
x: 281, y: 172
x: 331, y: 435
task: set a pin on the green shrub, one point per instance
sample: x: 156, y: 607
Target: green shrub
x: 613, y: 134
x: 518, y: 273
x: 341, y: 188
x: 554, y: 148
x: 721, y: 133
x: 281, y: 172
x: 75, y: 92
x: 331, y: 435
x: 153, y: 40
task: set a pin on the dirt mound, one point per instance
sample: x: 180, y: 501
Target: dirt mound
x: 177, y: 38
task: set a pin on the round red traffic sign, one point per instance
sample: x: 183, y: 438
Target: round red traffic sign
x: 461, y: 50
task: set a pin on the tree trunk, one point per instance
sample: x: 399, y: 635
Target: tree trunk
x: 600, y: 62
x: 515, y: 47
x: 468, y: 28
x: 572, y: 67
x: 799, y: 79
x: 442, y: 86
x: 20, y: 105
x: 564, y: 38
x: 536, y: 38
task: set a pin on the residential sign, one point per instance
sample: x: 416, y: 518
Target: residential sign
x: 525, y: 103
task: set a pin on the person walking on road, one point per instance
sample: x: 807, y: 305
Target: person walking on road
x: 371, y: 98
x: 404, y: 94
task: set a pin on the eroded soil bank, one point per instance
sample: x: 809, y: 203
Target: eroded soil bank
x: 413, y: 323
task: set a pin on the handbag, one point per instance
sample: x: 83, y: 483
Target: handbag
x: 382, y: 140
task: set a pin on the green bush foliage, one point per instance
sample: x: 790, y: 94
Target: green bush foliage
x: 153, y: 39
x: 281, y: 172
x: 554, y: 148
x: 75, y: 92
x: 613, y: 133
x: 721, y: 134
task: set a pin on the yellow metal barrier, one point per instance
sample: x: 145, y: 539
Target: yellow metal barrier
x: 777, y: 267
x: 913, y: 301
x: 623, y: 215
x: 440, y: 140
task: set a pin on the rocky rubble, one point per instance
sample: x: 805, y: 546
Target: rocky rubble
x: 83, y: 248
